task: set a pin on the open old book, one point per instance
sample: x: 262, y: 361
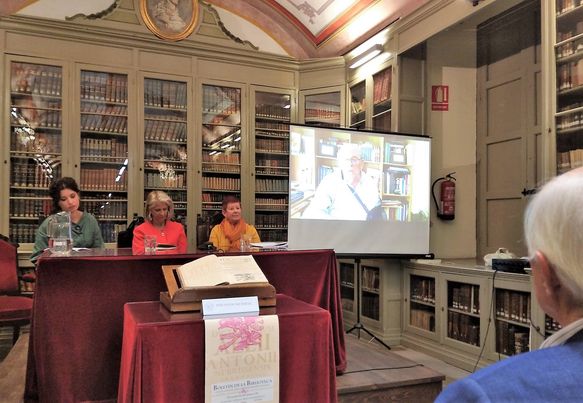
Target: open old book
x: 213, y: 270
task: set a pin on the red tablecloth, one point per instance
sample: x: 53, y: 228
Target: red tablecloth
x: 76, y: 332
x: 163, y: 354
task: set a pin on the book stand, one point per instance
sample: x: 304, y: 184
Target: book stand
x: 178, y: 299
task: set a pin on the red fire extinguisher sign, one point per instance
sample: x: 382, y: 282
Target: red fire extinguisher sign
x: 440, y: 97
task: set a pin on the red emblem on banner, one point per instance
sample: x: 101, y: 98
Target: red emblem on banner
x: 440, y: 97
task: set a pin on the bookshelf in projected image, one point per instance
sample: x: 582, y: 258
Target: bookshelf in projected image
x: 104, y: 149
x: 35, y: 144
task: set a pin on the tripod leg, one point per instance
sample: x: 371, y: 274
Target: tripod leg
x: 375, y: 338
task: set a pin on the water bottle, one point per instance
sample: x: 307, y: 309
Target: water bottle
x: 59, y: 230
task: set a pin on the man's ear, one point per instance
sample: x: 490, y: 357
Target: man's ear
x: 549, y: 278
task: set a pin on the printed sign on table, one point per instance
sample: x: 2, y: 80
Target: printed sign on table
x: 242, y: 359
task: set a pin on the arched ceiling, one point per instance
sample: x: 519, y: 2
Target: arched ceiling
x: 305, y: 29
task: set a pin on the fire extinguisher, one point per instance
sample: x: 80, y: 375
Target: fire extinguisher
x: 446, y: 206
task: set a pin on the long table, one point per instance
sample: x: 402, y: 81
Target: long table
x: 77, y: 325
x: 163, y: 355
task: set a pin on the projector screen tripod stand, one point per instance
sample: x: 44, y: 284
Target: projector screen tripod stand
x: 358, y: 326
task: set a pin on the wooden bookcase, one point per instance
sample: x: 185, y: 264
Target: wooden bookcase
x: 466, y: 315
x: 568, y: 53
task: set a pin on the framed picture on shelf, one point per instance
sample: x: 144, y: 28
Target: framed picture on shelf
x: 171, y: 20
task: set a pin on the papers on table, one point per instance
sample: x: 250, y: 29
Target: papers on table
x: 269, y: 245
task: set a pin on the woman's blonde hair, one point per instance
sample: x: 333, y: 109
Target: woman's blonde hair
x: 157, y: 196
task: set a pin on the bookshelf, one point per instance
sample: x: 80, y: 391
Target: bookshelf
x: 382, y: 100
x: 569, y: 84
x: 370, y: 96
x: 463, y: 311
x: 322, y: 108
x: 358, y: 106
x: 221, y: 147
x: 36, y: 144
x: 512, y: 324
x: 271, y: 127
x: 347, y: 283
x: 165, y: 141
x: 422, y: 302
x: 104, y: 161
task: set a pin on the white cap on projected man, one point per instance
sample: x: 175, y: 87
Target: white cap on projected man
x: 348, y: 192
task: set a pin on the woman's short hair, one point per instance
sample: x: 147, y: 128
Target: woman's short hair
x: 55, y: 188
x: 553, y: 225
x: 230, y: 199
x: 157, y: 196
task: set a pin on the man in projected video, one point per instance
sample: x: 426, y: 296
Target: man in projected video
x: 347, y: 193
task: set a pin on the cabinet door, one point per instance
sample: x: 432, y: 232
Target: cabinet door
x: 271, y: 145
x: 347, y: 278
x: 420, y: 303
x: 358, y: 106
x: 382, y: 100
x: 569, y: 87
x: 222, y: 146
x: 104, y: 148
x: 36, y: 143
x: 165, y: 152
x: 463, y: 324
x: 322, y: 107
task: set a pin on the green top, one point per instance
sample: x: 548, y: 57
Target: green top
x: 86, y: 234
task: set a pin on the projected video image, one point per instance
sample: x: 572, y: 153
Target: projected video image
x: 347, y: 175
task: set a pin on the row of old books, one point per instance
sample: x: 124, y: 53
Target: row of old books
x: 38, y: 114
x: 165, y: 94
x: 30, y: 208
x: 568, y: 160
x: 511, y: 339
x: 271, y: 162
x: 98, y: 148
x: 571, y: 121
x: 423, y: 289
x: 324, y: 113
x: 465, y: 297
x: 347, y: 276
x: 166, y: 152
x: 570, y: 75
x: 107, y: 209
x: 272, y: 145
x: 156, y: 180
x: 32, y: 175
x: 271, y: 170
x: 277, y: 235
x: 221, y: 100
x: 110, y: 230
x: 422, y: 319
x: 272, y: 112
x: 164, y: 130
x: 564, y: 6
x: 226, y: 158
x: 463, y: 328
x: 104, y: 123
x: 22, y: 232
x: 42, y: 143
x: 370, y: 278
x: 271, y: 185
x: 513, y: 305
x: 220, y: 183
x: 212, y: 198
x: 271, y: 220
x: 551, y: 325
x: 35, y: 79
x: 370, y: 305
x: 221, y: 167
x: 271, y: 203
x: 103, y: 179
x: 382, y: 86
x: 104, y: 87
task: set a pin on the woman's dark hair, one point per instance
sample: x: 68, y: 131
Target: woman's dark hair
x: 230, y: 199
x: 56, y: 187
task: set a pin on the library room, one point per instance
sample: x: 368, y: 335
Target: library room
x: 286, y: 201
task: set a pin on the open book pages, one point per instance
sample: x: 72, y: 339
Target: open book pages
x: 212, y: 270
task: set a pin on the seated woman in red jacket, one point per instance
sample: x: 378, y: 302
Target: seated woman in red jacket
x: 159, y: 211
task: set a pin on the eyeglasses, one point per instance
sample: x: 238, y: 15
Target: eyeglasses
x: 354, y: 161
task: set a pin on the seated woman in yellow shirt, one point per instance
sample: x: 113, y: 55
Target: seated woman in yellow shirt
x: 227, y: 235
